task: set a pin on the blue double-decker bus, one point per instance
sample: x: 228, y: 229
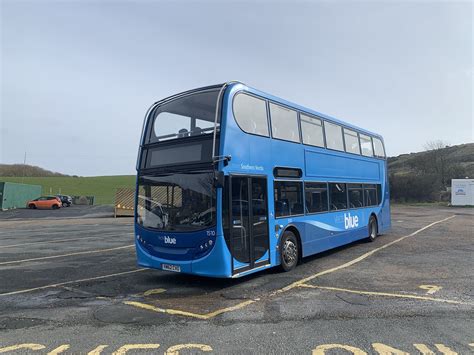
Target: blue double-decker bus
x: 232, y: 180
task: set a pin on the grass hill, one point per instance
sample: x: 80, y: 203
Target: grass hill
x: 461, y: 155
x: 13, y: 170
x: 426, y: 176
x: 102, y: 187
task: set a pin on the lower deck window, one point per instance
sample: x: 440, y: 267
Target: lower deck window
x: 356, y: 196
x: 288, y: 198
x: 337, y: 196
x: 370, y: 193
x: 316, y: 197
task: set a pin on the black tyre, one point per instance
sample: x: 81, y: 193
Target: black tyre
x: 55, y: 207
x: 289, y: 251
x: 373, y: 229
x: 31, y: 206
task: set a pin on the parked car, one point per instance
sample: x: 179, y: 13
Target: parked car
x: 65, y: 200
x: 45, y: 202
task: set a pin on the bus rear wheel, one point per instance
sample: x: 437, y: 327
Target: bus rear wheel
x: 289, y: 252
x: 373, y: 229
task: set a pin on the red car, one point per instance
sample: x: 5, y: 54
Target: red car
x: 52, y: 202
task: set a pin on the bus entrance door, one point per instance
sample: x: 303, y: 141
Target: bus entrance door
x: 249, y: 223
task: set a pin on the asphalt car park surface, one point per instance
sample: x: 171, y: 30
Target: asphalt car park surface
x: 72, y: 286
x: 73, y: 211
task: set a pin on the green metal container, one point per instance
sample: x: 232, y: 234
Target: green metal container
x: 14, y: 195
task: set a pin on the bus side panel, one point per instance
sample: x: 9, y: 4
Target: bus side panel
x: 327, y: 231
x: 330, y: 165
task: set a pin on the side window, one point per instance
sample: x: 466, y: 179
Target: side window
x: 284, y: 123
x: 312, y: 131
x: 288, y: 198
x: 352, y: 141
x: 337, y: 196
x: 370, y: 194
x: 316, y: 197
x: 378, y: 148
x: 333, y: 136
x: 366, y: 145
x: 356, y: 195
x: 379, y: 194
x: 251, y: 114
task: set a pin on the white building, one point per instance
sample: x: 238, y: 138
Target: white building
x: 462, y: 192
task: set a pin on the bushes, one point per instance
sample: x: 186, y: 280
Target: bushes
x: 415, y: 187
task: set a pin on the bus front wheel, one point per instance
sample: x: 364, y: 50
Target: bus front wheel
x: 373, y: 229
x: 288, y: 251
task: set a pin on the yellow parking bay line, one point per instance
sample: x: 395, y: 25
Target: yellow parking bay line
x: 66, y: 255
x: 190, y: 314
x: 358, y: 259
x: 385, y: 294
x: 290, y: 286
x: 71, y: 282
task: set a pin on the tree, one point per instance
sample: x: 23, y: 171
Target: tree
x: 438, y: 163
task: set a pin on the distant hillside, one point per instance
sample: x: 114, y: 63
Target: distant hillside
x: 102, y: 187
x: 19, y: 170
x: 426, y: 176
x: 462, y: 155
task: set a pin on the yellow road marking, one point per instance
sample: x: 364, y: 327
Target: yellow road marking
x: 52, y: 241
x: 445, y: 350
x: 123, y: 350
x: 155, y: 291
x: 286, y: 288
x: 321, y: 349
x: 356, y: 260
x: 66, y: 255
x: 22, y: 346
x: 189, y: 314
x: 383, y: 349
x: 174, y: 350
x: 59, y: 349
x: 70, y: 282
x: 423, y: 349
x: 430, y: 288
x: 374, y: 293
x: 98, y: 350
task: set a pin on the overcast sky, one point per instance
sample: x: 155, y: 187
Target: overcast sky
x: 78, y: 76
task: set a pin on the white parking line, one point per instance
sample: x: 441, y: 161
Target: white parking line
x: 66, y: 255
x: 71, y: 282
x: 54, y: 241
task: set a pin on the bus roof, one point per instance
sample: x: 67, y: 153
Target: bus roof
x: 238, y: 84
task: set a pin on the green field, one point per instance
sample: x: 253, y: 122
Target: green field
x: 102, y: 187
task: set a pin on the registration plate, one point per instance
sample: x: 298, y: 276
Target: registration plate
x: 169, y: 267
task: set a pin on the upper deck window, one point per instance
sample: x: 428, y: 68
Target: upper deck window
x: 352, y: 141
x: 312, y: 131
x: 251, y: 114
x: 378, y: 148
x: 284, y: 123
x: 366, y: 145
x: 334, y: 136
x: 191, y: 115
